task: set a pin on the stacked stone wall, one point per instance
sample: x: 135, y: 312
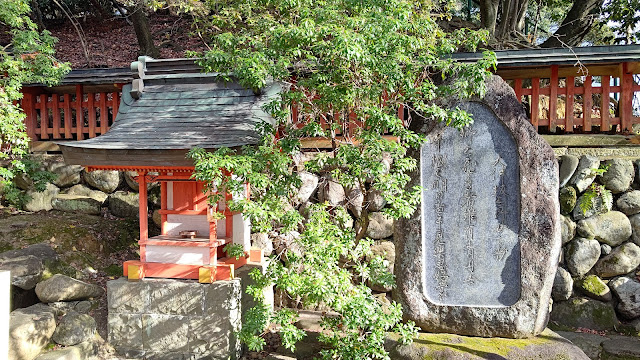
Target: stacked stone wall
x: 596, y: 286
x: 101, y: 192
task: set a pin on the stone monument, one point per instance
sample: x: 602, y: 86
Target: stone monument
x: 480, y: 254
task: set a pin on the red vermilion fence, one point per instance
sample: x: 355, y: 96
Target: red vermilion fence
x: 600, y: 102
x: 69, y: 116
x: 572, y: 104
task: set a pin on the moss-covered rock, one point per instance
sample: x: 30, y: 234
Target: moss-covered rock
x: 568, y: 198
x: 547, y: 346
x: 593, y: 287
x: 584, y: 313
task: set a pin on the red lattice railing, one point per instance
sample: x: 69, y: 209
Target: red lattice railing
x: 69, y: 116
x: 580, y: 104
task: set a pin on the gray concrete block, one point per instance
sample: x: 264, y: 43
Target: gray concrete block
x: 176, y: 298
x: 125, y: 331
x: 165, y: 333
x: 222, y: 294
x: 125, y: 296
x: 211, y: 336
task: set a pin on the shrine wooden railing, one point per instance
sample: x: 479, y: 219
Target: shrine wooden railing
x: 601, y: 101
x: 69, y: 116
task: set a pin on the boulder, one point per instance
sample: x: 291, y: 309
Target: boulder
x: 30, y: 330
x: 103, y: 180
x: 66, y: 175
x: 581, y: 312
x: 23, y: 181
x: 627, y: 291
x: 262, y: 241
x: 635, y: 228
x: 76, y: 203
x: 63, y: 288
x: 562, y: 285
x: 598, y: 207
x: 580, y: 255
x: 355, y: 201
x: 619, y: 176
x: 605, y: 249
x: 380, y: 226
x: 547, y: 346
x: 26, y: 271
x: 375, y: 201
x: 81, y: 307
x: 387, y: 251
x: 331, y: 192
x: 42, y: 251
x: 612, y: 228
x: 587, y: 342
x: 39, y: 201
x: 307, y: 188
x: 82, y: 190
x: 124, y: 204
x: 622, y: 260
x: 621, y: 348
x: 593, y: 287
x: 74, y: 328
x: 568, y: 229
x: 568, y: 198
x: 567, y: 168
x: 584, y: 174
x: 156, y: 217
x: 629, y: 203
x: 133, y: 184
x: 82, y: 351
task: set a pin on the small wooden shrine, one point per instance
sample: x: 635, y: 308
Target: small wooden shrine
x: 166, y: 111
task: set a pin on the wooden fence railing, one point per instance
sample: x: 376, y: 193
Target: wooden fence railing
x: 69, y: 116
x: 579, y: 104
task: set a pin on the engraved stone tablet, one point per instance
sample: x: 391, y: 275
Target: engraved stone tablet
x: 471, y: 214
x: 479, y: 256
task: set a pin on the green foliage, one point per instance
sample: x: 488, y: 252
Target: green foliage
x: 338, y: 59
x: 623, y: 18
x: 234, y: 250
x: 596, y: 196
x: 27, y: 59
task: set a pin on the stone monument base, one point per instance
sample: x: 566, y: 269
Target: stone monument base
x: 546, y: 346
x: 178, y: 319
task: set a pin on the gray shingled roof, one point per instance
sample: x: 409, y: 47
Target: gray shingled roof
x: 559, y: 56
x: 175, y: 112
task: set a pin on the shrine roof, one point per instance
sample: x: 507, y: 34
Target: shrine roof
x: 170, y: 110
x: 559, y: 56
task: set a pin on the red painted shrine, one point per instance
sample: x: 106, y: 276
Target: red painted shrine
x: 160, y: 118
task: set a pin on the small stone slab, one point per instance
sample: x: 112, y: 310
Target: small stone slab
x: 621, y: 348
x: 479, y: 257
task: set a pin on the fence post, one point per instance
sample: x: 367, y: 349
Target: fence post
x: 5, y: 299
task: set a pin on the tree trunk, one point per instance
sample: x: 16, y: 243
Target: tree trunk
x: 576, y: 24
x: 489, y: 15
x: 143, y: 31
x: 36, y: 15
x: 512, y: 18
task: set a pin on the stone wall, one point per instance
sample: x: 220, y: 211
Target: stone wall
x: 95, y: 193
x: 596, y: 286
